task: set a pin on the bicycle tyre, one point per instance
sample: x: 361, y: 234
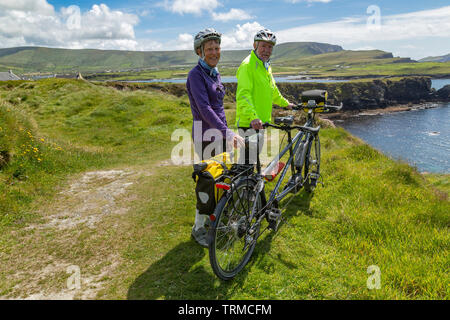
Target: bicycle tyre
x: 229, y: 227
x: 312, y: 165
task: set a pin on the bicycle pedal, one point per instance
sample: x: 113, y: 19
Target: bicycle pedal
x: 274, y: 214
x: 314, y: 176
x: 318, y: 178
x: 274, y: 218
x: 273, y: 224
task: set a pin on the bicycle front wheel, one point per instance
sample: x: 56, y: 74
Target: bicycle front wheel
x: 233, y: 235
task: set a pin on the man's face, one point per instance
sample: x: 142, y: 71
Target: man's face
x: 263, y: 50
x: 212, y: 52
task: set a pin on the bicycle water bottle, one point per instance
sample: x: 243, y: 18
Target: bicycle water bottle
x: 271, y: 172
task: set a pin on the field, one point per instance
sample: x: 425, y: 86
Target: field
x: 309, y: 59
x: 86, y: 184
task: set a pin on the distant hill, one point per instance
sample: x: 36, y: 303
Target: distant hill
x: 41, y: 59
x: 350, y: 57
x: 445, y: 58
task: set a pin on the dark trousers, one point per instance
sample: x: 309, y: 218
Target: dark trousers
x: 249, y: 152
x: 215, y: 148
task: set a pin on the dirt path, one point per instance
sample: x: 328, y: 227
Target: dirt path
x: 43, y: 267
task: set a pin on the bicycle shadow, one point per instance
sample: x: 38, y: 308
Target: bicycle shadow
x: 299, y: 204
x: 180, y: 275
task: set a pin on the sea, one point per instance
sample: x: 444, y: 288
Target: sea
x: 420, y: 137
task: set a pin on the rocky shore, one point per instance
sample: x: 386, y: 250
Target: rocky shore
x: 369, y: 94
x: 356, y: 96
x: 379, y: 111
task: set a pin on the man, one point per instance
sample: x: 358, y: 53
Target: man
x: 256, y: 89
x: 206, y: 93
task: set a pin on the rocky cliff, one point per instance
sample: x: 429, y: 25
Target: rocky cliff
x: 366, y: 94
x: 355, y: 95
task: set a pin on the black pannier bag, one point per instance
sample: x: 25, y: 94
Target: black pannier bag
x: 205, y: 175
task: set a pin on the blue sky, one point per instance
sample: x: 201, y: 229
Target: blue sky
x: 407, y: 28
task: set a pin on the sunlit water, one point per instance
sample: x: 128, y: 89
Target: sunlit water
x: 420, y: 137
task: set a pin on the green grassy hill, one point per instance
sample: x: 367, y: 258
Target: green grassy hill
x: 296, y: 58
x: 32, y: 59
x: 61, y: 136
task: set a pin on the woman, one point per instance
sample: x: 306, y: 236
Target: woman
x: 206, y: 93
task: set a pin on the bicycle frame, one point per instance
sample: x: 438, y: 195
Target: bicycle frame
x: 292, y: 142
x: 292, y: 147
x: 240, y: 213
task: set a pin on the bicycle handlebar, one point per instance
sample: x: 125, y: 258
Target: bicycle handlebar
x: 315, y: 106
x: 302, y: 128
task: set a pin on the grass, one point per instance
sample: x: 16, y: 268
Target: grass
x: 371, y: 211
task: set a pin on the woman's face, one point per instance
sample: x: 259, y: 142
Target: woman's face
x: 212, y: 52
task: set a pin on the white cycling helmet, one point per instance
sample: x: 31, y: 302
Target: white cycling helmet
x: 205, y: 35
x: 266, y: 35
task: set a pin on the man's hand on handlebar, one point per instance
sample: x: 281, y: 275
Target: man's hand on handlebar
x: 256, y: 124
x: 290, y: 106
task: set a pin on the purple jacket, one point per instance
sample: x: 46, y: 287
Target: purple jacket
x: 206, y: 95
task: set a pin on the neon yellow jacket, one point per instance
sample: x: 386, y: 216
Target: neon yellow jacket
x: 256, y: 92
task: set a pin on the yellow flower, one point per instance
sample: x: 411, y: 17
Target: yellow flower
x: 39, y: 159
x: 42, y: 139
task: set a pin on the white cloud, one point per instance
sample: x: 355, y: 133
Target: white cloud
x: 185, y: 41
x: 36, y: 6
x: 418, y: 28
x: 241, y: 37
x: 233, y: 14
x: 34, y: 22
x: 190, y: 6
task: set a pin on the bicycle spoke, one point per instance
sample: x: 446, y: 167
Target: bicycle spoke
x: 231, y: 249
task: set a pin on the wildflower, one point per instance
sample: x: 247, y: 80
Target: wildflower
x: 42, y: 139
x: 39, y: 159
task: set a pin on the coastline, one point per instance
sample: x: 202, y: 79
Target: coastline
x: 342, y: 115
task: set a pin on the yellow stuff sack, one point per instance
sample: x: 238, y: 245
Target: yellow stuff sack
x: 205, y: 175
x: 319, y: 96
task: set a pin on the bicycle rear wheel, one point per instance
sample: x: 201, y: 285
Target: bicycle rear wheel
x: 233, y: 236
x: 312, y: 165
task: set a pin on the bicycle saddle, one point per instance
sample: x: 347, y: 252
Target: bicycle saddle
x: 284, y: 120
